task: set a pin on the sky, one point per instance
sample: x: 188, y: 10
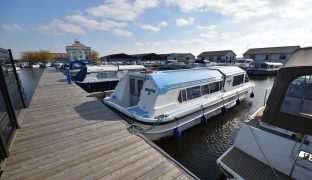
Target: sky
x: 160, y: 26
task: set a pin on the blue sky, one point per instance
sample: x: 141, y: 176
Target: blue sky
x: 161, y: 26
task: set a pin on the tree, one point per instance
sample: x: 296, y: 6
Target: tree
x: 95, y: 55
x: 37, y: 56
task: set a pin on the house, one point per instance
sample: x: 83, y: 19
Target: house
x: 182, y: 57
x: 149, y: 59
x: 270, y: 54
x: 216, y: 56
x: 78, y: 51
x: 120, y: 58
x: 60, y: 57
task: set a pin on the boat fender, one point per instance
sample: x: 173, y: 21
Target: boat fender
x: 252, y: 95
x: 238, y: 102
x: 203, y: 119
x: 177, y: 132
x: 223, y: 110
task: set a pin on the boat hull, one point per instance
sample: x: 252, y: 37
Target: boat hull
x: 98, y: 86
x: 261, y: 72
x: 173, y: 128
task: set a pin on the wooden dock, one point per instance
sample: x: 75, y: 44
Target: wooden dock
x: 66, y: 134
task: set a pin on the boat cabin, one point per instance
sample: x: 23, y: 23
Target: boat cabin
x: 289, y: 105
x: 157, y: 93
x: 267, y: 65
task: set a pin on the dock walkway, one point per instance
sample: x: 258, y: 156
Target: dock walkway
x: 66, y: 134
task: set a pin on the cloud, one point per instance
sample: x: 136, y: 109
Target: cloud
x: 121, y: 32
x: 207, y: 31
x: 123, y: 10
x: 11, y: 27
x: 138, y: 43
x: 185, y: 22
x: 93, y: 24
x: 56, y: 27
x: 241, y: 10
x: 152, y: 28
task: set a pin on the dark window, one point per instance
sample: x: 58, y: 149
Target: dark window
x: 237, y: 80
x: 214, y: 87
x: 219, y: 58
x: 282, y: 56
x: 140, y: 85
x: 298, y: 98
x: 182, y: 96
x: 271, y: 66
x: 263, y: 66
x: 205, y: 89
x: 132, y: 87
x: 193, y: 92
x: 266, y: 57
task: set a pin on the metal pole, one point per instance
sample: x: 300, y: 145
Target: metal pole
x: 68, y: 77
x: 17, y: 79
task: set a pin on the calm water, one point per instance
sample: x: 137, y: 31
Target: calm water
x: 30, y: 78
x: 199, y: 147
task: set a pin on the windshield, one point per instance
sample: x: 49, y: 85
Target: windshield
x: 298, y: 99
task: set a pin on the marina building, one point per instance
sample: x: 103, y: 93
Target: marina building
x: 181, y: 57
x: 270, y: 54
x: 149, y: 59
x: 60, y: 57
x: 78, y: 51
x: 120, y: 58
x: 216, y: 56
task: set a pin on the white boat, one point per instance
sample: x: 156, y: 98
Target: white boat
x: 35, y: 65
x: 244, y: 63
x: 275, y: 143
x: 163, y: 104
x: 104, y: 77
x: 265, y: 68
x: 9, y: 68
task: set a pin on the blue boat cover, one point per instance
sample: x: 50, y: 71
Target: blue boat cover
x: 167, y: 80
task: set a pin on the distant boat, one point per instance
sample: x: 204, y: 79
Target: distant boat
x: 35, y: 65
x: 265, y: 68
x: 165, y: 103
x: 243, y: 63
x: 104, y: 77
x: 9, y: 68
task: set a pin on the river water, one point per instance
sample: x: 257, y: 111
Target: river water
x: 199, y: 147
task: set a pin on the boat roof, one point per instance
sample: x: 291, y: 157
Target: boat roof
x: 301, y: 57
x: 272, y: 63
x: 113, y: 67
x: 167, y: 80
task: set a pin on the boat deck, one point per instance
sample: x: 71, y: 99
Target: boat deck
x: 249, y: 167
x: 66, y: 134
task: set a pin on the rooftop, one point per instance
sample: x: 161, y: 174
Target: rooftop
x: 272, y: 50
x: 215, y: 53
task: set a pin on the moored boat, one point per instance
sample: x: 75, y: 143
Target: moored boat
x: 264, y: 68
x: 35, y: 66
x: 275, y: 143
x: 104, y: 77
x: 165, y: 103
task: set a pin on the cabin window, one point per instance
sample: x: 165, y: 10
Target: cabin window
x: 193, y: 92
x: 205, y: 89
x: 105, y: 75
x: 214, y: 87
x: 132, y: 87
x: 237, y: 80
x: 298, y: 98
x: 182, y: 96
x: 271, y: 66
x: 140, y: 85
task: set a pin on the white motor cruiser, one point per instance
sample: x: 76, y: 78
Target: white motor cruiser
x: 165, y: 103
x: 275, y: 143
x: 264, y: 68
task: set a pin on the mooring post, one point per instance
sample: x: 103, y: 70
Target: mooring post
x: 68, y: 77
